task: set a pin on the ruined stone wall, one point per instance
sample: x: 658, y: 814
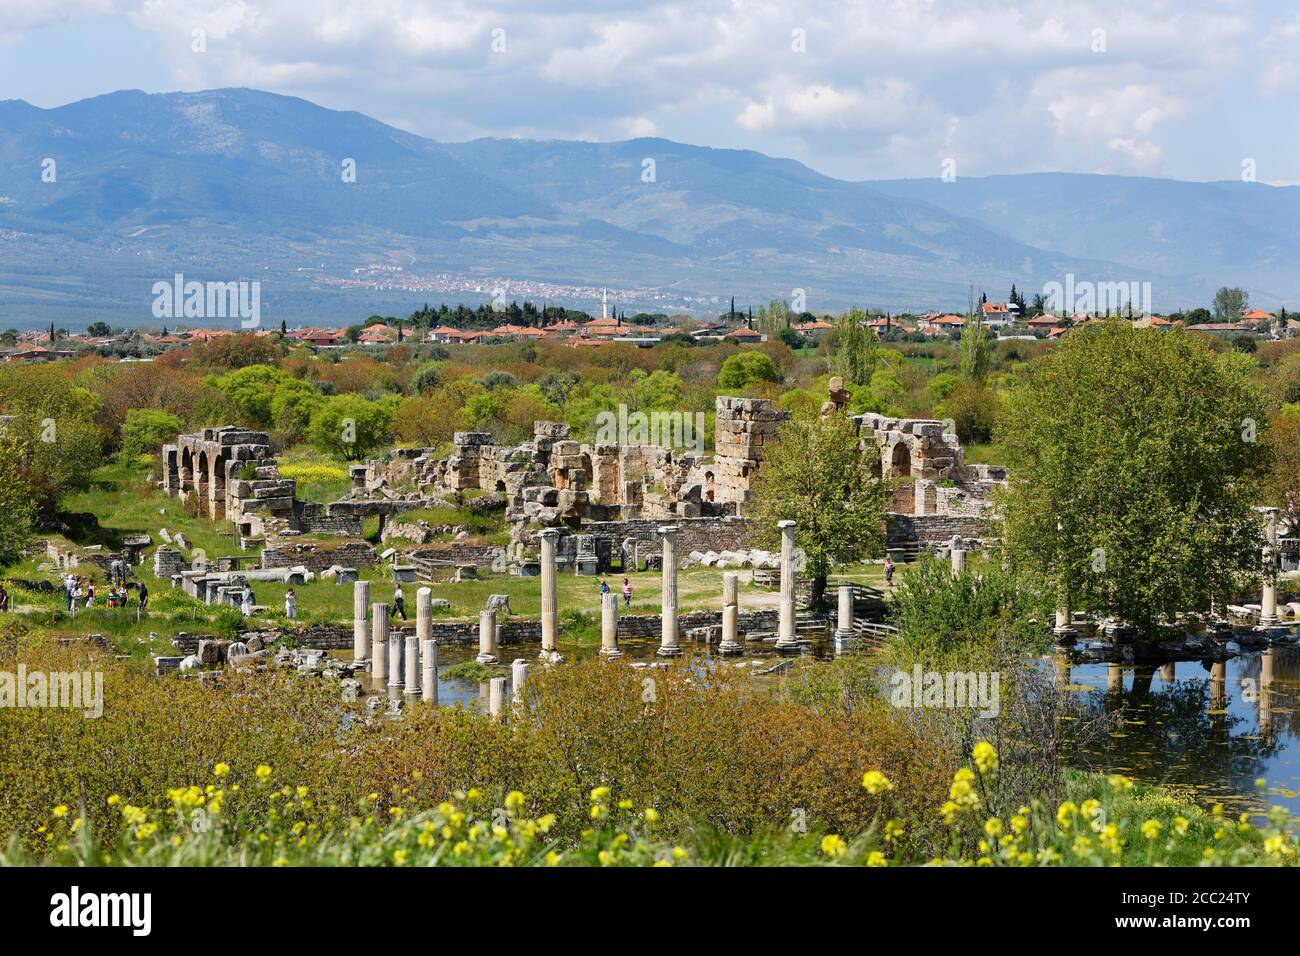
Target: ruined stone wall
x: 743, y: 430
x: 317, y: 556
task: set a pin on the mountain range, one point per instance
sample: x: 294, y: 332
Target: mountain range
x: 339, y: 216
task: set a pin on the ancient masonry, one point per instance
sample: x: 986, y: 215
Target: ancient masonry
x: 937, y: 496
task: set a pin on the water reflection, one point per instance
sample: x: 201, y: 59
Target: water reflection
x: 1209, y: 729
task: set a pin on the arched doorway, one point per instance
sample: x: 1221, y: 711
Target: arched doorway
x: 900, y: 461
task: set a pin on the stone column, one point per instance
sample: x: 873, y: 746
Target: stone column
x: 429, y: 672
x: 518, y: 678
x: 1265, y: 703
x: 411, y: 668
x: 958, y: 554
x: 487, y: 637
x: 394, y: 660
x: 1114, y: 679
x: 785, y: 635
x: 378, y: 644
x: 496, y: 697
x: 609, y: 626
x: 548, y: 538
x: 730, y: 615
x: 844, y: 613
x: 668, y: 646
x: 1268, y: 596
x: 360, y: 626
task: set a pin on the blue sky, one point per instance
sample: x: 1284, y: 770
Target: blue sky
x: 1187, y: 89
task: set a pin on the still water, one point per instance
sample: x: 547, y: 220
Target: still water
x: 1208, y: 730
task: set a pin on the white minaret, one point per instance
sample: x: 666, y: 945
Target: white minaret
x: 604, y: 303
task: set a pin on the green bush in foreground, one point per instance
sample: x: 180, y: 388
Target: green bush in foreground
x: 253, y: 820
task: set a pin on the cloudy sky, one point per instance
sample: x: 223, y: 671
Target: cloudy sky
x: 1188, y: 89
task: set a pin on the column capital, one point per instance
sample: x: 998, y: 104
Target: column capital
x: 787, y: 523
x: 549, y: 533
x: 668, y: 529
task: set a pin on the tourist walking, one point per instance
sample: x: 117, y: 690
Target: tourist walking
x: 889, y: 571
x: 90, y: 594
x: 399, y: 602
x: 144, y: 596
x: 290, y: 603
x: 627, y: 593
x: 604, y: 588
x: 69, y: 584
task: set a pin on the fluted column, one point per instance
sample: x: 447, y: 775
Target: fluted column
x: 609, y: 626
x: 1268, y: 593
x: 378, y: 644
x: 360, y: 625
x: 518, y: 678
x: 785, y: 634
x: 668, y: 644
x: 411, y: 668
x: 548, y: 538
x: 394, y: 660
x: 730, y: 644
x: 496, y: 697
x: 487, y: 636
x: 429, y: 672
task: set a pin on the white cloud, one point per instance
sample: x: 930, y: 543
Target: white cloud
x: 885, y: 87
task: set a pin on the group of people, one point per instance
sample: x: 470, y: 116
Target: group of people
x: 627, y: 591
x: 79, y: 592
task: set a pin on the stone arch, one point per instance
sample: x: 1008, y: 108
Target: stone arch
x: 900, y: 460
x: 218, y: 490
x: 187, y: 470
x: 202, y: 471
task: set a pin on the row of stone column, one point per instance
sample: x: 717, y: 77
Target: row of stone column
x: 669, y: 636
x: 410, y: 666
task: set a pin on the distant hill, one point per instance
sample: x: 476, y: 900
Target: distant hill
x: 229, y: 184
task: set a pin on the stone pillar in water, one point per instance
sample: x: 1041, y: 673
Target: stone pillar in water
x: 378, y: 644
x: 844, y: 613
x: 1268, y: 597
x: 394, y: 660
x: 609, y: 626
x: 958, y: 554
x: 730, y: 614
x: 548, y: 538
x: 518, y: 678
x: 496, y: 697
x: 487, y: 637
x: 1266, y: 664
x: 360, y: 625
x: 429, y: 672
x: 785, y: 635
x: 668, y: 646
x: 411, y: 667
x: 1114, y: 678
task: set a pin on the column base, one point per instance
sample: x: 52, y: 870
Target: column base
x: 1269, y: 620
x: 610, y: 653
x: 786, y: 646
x: 730, y: 648
x: 671, y: 650
x: 1065, y: 635
x: 487, y: 659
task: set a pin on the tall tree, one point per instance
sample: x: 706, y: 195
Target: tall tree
x: 853, y: 348
x: 1129, y: 453
x: 1229, y: 303
x: 975, y: 349
x: 819, y: 476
